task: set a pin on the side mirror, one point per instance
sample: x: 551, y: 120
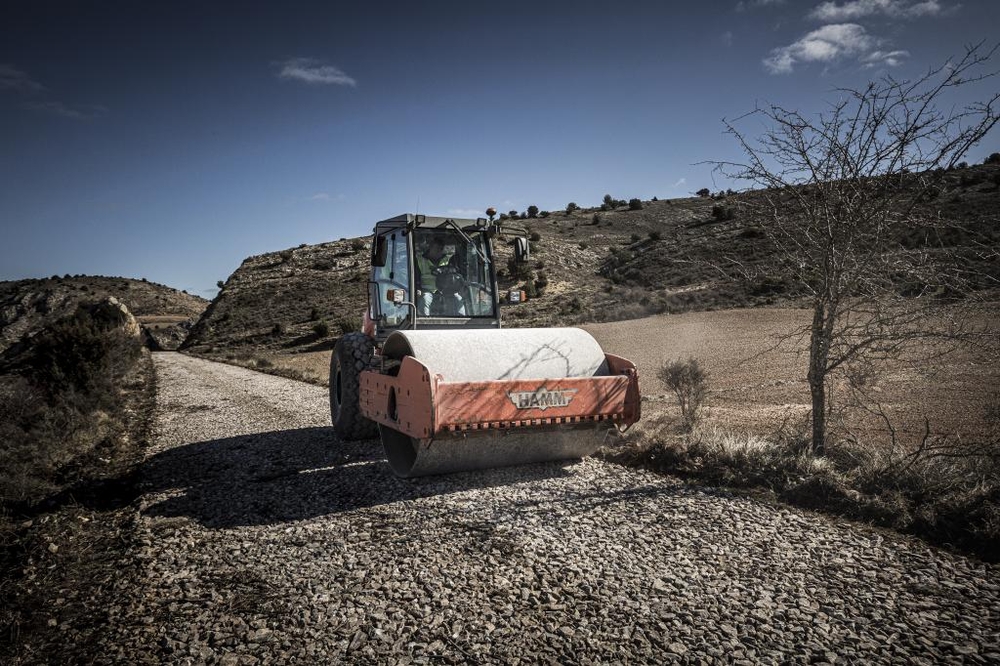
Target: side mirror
x: 522, y: 251
x: 379, y: 251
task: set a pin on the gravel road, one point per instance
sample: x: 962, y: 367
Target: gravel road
x: 264, y: 540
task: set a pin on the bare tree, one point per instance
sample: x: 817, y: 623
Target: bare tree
x: 846, y: 208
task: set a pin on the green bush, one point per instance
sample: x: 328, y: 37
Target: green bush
x: 358, y: 244
x: 349, y: 324
x: 722, y: 212
x: 534, y: 237
x: 544, y: 213
x: 571, y: 207
x: 285, y: 256
x: 65, y: 403
x: 532, y: 211
x: 994, y: 158
x: 704, y: 192
x: 541, y: 282
x: 635, y: 204
x: 321, y: 329
x: 83, y: 353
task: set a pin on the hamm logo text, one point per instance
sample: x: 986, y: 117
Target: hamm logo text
x: 541, y: 399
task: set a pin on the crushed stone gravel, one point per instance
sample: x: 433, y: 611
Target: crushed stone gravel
x: 262, y: 539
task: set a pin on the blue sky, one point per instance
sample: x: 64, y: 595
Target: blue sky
x: 171, y: 140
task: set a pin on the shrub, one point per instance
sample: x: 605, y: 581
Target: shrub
x: 704, y: 192
x: 544, y: 213
x: 349, y: 324
x: 596, y: 220
x: 530, y: 290
x: 689, y: 384
x: 635, y: 204
x: 636, y: 238
x: 571, y: 207
x: 278, y: 329
x: 358, y: 244
x: 321, y: 329
x: 518, y: 271
x: 83, y: 353
x: 541, y: 282
x: 513, y: 214
x: 582, y: 245
x: 314, y: 314
x: 285, y: 256
x: 220, y: 284
x: 655, y: 235
x: 609, y: 201
x: 65, y: 402
x: 994, y: 158
x: 722, y: 212
x: 605, y: 207
x: 534, y: 237
x: 532, y: 211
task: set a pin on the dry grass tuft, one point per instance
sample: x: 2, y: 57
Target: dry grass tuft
x: 945, y: 492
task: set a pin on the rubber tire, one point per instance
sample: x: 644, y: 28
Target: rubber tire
x: 350, y: 357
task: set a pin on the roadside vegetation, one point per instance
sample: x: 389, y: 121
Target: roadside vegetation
x: 943, y: 489
x: 75, y: 401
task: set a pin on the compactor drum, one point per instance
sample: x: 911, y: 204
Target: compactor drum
x: 446, y: 388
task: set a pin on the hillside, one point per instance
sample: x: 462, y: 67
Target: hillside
x: 27, y: 306
x: 588, y: 265
x: 273, y: 300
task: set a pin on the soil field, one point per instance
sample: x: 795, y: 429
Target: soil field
x: 758, y: 385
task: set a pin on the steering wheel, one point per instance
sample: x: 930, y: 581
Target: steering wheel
x: 448, y: 279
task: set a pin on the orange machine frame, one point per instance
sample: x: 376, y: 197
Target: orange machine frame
x: 422, y: 405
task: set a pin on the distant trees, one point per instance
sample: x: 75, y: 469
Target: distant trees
x: 532, y: 211
x: 840, y: 191
x: 635, y: 204
x: 704, y: 192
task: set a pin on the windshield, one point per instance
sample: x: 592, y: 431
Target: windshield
x: 452, y: 273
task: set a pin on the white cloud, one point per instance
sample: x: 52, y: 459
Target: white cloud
x: 680, y: 183
x: 890, y: 58
x: 826, y: 44
x: 320, y: 196
x: 11, y: 78
x: 314, y: 72
x: 79, y: 112
x: 858, y: 9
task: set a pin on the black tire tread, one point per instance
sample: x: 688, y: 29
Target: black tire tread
x: 351, y: 352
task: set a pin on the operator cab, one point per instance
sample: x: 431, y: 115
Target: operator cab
x: 432, y: 272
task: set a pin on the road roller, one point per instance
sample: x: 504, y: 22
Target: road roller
x: 433, y: 374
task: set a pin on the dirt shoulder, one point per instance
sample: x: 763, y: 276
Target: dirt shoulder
x: 64, y: 559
